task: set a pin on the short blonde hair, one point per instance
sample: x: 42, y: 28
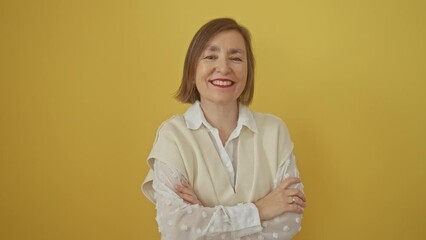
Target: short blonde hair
x: 187, y: 92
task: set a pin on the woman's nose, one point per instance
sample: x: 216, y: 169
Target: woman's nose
x: 223, y: 66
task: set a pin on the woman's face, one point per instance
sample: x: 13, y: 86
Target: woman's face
x: 221, y: 72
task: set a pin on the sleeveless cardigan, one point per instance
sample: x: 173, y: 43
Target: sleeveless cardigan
x: 193, y: 154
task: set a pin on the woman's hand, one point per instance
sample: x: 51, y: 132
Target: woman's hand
x: 281, y: 200
x: 186, y: 192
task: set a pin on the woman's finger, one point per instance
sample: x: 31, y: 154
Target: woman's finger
x: 189, y: 198
x: 185, y: 183
x: 298, y: 201
x: 286, y: 183
x: 185, y: 190
x: 187, y: 193
x: 187, y: 186
x: 294, y: 208
x: 296, y: 192
x: 184, y: 196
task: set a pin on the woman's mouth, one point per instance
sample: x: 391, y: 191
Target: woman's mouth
x: 222, y: 83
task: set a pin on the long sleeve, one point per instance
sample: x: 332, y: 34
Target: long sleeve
x: 178, y: 220
x: 287, y: 225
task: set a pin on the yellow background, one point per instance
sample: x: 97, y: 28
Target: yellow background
x: 85, y: 84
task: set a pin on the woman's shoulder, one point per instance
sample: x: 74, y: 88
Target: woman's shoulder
x: 170, y: 129
x: 173, y: 123
x: 267, y: 119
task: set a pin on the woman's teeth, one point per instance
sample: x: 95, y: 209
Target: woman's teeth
x: 222, y: 83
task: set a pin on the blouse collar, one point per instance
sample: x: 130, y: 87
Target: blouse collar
x: 194, y: 117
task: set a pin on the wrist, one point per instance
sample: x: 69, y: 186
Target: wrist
x: 259, y: 210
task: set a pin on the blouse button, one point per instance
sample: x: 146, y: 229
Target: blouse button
x: 275, y: 235
x: 298, y: 220
x: 286, y: 228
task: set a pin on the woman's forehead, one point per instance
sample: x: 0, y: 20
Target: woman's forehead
x: 227, y: 35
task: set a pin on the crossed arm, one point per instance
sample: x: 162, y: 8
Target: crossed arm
x: 180, y: 214
x: 281, y: 200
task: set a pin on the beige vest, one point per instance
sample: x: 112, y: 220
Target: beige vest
x: 193, y: 154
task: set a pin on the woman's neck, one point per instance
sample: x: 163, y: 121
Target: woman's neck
x: 222, y: 117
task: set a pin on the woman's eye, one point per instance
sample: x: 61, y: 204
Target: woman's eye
x: 210, y: 57
x: 236, y: 59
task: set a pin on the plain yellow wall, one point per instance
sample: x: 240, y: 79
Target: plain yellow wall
x: 85, y: 84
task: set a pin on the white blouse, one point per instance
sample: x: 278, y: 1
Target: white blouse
x: 178, y: 220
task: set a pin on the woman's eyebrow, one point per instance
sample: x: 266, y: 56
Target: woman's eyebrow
x: 214, y: 48
x: 235, y: 50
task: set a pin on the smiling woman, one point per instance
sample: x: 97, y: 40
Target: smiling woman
x: 221, y: 73
x: 221, y: 171
x: 202, y: 43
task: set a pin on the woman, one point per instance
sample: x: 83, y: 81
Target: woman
x: 221, y: 171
